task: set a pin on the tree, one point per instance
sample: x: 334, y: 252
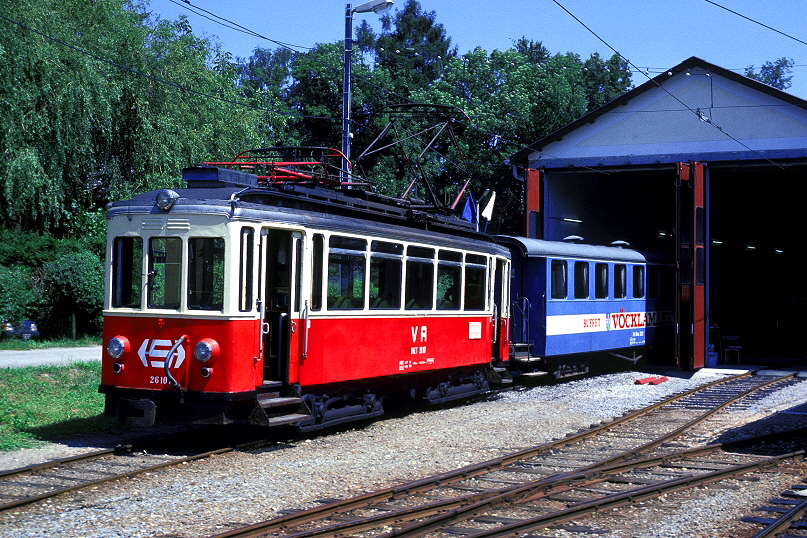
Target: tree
x: 412, y: 46
x: 17, y: 296
x: 266, y: 70
x: 316, y: 94
x: 101, y: 101
x: 51, y: 280
x: 54, y: 108
x: 74, y: 287
x: 512, y: 101
x: 776, y: 73
x: 604, y: 80
x: 533, y: 51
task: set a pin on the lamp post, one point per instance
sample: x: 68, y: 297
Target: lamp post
x: 377, y: 7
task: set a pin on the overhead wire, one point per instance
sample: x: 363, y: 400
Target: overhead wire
x: 243, y: 29
x: 152, y: 77
x: 232, y: 25
x: 757, y: 22
x: 660, y: 86
x: 185, y: 3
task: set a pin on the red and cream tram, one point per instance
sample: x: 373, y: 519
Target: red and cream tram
x: 266, y: 292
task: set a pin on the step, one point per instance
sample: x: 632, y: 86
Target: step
x: 287, y: 419
x: 269, y: 383
x: 268, y: 403
x: 503, y: 379
x: 525, y: 358
x: 534, y: 374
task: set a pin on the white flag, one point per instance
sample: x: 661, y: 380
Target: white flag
x: 487, y: 213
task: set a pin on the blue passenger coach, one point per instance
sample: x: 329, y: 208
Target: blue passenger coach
x: 577, y: 309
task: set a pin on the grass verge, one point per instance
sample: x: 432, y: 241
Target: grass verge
x: 18, y: 344
x: 49, y: 403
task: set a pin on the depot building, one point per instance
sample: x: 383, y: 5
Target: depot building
x: 708, y: 169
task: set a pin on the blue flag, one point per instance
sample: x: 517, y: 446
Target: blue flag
x: 469, y: 211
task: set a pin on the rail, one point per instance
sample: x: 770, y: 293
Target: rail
x: 458, y: 508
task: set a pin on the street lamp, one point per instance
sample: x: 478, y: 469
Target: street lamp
x: 377, y: 7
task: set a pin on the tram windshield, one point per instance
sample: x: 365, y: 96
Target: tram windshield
x: 165, y: 272
x: 206, y: 273
x: 127, y: 272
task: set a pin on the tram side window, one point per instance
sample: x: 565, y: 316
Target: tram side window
x: 620, y: 281
x: 346, y: 261
x: 559, y: 286
x: 386, y: 265
x: 654, y: 282
x: 206, y: 273
x: 601, y: 281
x: 581, y: 280
x: 245, y: 274
x: 475, y: 272
x: 165, y: 272
x: 638, y: 281
x: 127, y: 272
x: 419, y: 278
x: 316, y: 271
x: 449, y: 279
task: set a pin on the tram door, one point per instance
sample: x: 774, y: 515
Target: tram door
x: 501, y: 295
x: 282, y: 254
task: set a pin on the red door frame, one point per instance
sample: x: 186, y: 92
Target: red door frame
x: 690, y: 258
x: 533, y: 223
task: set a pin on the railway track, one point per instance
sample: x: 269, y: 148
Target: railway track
x: 789, y: 512
x: 34, y: 483
x: 609, y: 465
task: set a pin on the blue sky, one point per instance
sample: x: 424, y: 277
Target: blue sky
x: 655, y: 34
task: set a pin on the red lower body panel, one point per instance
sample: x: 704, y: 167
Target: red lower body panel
x: 234, y: 369
x: 341, y: 349
x: 363, y: 348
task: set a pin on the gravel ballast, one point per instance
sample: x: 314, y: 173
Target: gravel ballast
x: 201, y: 498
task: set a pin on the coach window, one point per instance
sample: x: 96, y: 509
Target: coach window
x: 245, y: 274
x: 346, y: 261
x: 638, y: 281
x: 601, y: 281
x: 654, y: 282
x: 581, y: 280
x: 475, y: 272
x: 449, y: 280
x: 620, y: 281
x: 127, y: 272
x: 559, y: 286
x: 386, y: 267
x: 206, y: 273
x: 419, y: 278
x: 316, y: 271
x: 164, y: 272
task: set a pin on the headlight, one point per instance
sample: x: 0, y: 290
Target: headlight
x: 117, y: 347
x: 206, y: 349
x: 166, y: 198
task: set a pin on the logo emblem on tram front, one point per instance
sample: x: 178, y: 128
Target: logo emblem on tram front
x: 158, y: 349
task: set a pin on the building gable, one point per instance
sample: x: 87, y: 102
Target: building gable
x: 695, y: 111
